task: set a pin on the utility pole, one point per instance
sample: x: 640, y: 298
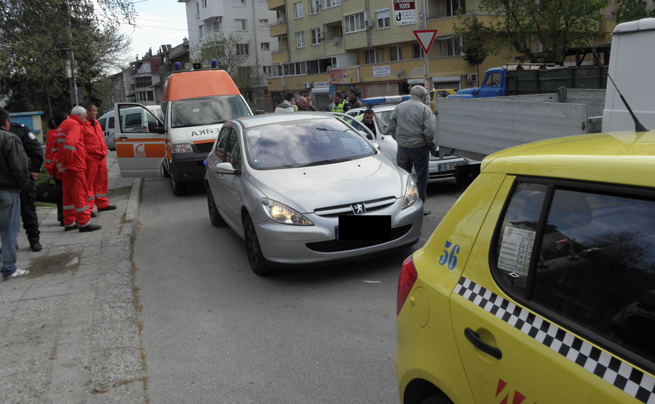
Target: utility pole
x: 424, y: 26
x: 70, y: 63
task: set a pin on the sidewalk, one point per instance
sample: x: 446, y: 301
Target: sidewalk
x: 69, y: 330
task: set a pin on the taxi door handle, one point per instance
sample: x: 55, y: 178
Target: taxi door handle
x: 474, y: 339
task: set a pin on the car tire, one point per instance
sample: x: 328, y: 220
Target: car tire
x: 214, y: 215
x: 253, y: 249
x: 178, y: 188
x: 440, y: 398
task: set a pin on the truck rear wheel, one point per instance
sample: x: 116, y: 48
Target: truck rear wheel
x: 179, y: 189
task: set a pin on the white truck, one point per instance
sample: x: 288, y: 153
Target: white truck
x: 475, y: 128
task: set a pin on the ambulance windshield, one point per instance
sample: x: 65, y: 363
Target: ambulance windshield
x: 207, y: 110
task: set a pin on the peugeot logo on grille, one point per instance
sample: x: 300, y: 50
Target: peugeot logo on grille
x: 358, y: 208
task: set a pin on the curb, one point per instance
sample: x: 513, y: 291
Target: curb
x: 132, y: 211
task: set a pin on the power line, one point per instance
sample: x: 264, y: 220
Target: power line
x: 173, y: 22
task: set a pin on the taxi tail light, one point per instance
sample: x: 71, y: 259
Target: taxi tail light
x: 408, y: 276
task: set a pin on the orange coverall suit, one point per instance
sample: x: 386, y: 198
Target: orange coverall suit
x: 96, y: 164
x: 72, y: 156
x: 51, y: 157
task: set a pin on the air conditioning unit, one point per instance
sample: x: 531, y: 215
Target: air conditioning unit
x: 308, y: 84
x: 369, y: 23
x: 472, y: 78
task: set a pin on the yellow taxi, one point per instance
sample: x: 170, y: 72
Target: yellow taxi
x: 539, y: 284
x: 442, y: 92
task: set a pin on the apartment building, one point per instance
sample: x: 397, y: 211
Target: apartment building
x: 250, y: 20
x: 335, y: 45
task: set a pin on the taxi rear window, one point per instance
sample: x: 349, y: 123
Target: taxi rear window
x: 586, y: 255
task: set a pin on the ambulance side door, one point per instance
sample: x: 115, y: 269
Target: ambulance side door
x: 140, y: 149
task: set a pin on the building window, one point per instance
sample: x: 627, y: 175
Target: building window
x: 449, y: 47
x: 217, y: 25
x: 242, y: 24
x: 204, y: 3
x: 265, y: 70
x: 354, y: 22
x: 300, y: 39
x: 200, y: 29
x: 316, y: 36
x: 313, y: 6
x: 143, y: 81
x: 452, y: 6
x: 242, y: 49
x: 197, y: 9
x: 382, y: 19
x: 395, y: 53
x: 146, y: 96
x: 331, y: 3
x: 372, y: 56
x: 297, y: 9
x: 265, y: 46
x: 263, y: 23
x: 417, y: 51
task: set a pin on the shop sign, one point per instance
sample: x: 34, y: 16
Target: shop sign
x: 321, y: 84
x: 381, y: 71
x: 404, y: 12
x: 343, y: 76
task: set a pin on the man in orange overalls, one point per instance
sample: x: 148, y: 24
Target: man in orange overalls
x: 96, y: 161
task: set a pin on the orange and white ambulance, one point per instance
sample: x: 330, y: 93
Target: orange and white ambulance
x: 195, y: 106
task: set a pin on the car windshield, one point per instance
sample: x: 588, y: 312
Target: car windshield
x: 306, y: 143
x: 382, y: 118
x: 207, y: 110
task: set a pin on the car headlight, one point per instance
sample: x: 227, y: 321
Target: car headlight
x: 281, y: 213
x: 182, y: 148
x: 411, y: 193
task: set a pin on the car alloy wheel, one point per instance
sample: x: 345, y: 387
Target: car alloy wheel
x: 214, y: 216
x: 254, y: 251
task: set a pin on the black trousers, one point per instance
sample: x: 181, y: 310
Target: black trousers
x: 60, y: 202
x: 28, y: 213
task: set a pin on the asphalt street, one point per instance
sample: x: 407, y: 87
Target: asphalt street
x: 213, y: 331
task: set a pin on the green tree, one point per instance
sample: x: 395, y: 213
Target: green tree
x: 475, y: 40
x: 234, y: 55
x: 36, y: 40
x: 556, y: 25
x: 632, y: 10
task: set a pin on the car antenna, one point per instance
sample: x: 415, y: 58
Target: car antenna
x: 638, y: 125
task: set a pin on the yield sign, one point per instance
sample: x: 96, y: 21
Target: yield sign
x: 426, y: 37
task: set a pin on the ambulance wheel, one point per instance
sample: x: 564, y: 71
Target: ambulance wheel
x: 164, y: 172
x: 178, y: 188
x: 214, y: 215
x: 254, y: 251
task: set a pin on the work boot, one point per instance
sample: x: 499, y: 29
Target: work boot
x: 90, y: 227
x: 71, y: 227
x: 93, y: 214
x: 36, y: 246
x: 110, y: 207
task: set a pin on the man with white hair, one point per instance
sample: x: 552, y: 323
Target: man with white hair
x: 72, y: 165
x: 412, y: 126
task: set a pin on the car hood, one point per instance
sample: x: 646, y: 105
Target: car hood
x: 308, y: 188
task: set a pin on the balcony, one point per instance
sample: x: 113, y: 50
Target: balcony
x: 280, y: 56
x: 275, y: 4
x: 334, y: 46
x: 278, y: 29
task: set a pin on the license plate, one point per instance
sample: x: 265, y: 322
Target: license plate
x: 364, y: 228
x: 450, y: 166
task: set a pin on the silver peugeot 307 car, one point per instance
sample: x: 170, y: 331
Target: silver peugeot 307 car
x: 305, y: 188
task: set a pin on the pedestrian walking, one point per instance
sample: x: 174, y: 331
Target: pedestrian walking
x: 51, y: 157
x: 35, y: 155
x: 14, y: 176
x: 72, y: 162
x: 354, y: 101
x: 97, y: 179
x: 288, y: 105
x: 412, y: 126
x: 340, y: 105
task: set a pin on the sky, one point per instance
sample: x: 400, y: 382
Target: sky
x: 158, y: 22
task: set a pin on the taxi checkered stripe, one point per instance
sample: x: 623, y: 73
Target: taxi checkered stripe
x: 613, y: 370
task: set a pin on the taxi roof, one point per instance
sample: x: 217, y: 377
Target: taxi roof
x: 622, y: 158
x: 199, y: 83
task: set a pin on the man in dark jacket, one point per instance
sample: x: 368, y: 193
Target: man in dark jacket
x: 35, y: 155
x: 354, y: 101
x: 14, y: 176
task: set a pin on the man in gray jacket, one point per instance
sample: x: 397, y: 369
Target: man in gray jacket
x: 412, y: 126
x: 14, y: 176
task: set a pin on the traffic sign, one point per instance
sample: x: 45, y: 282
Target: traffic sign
x: 425, y: 38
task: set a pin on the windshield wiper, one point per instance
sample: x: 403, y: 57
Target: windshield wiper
x: 324, y: 162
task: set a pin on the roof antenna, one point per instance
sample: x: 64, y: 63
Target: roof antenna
x: 638, y: 125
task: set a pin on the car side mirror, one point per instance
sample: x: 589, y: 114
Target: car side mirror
x: 155, y: 127
x: 225, y: 168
